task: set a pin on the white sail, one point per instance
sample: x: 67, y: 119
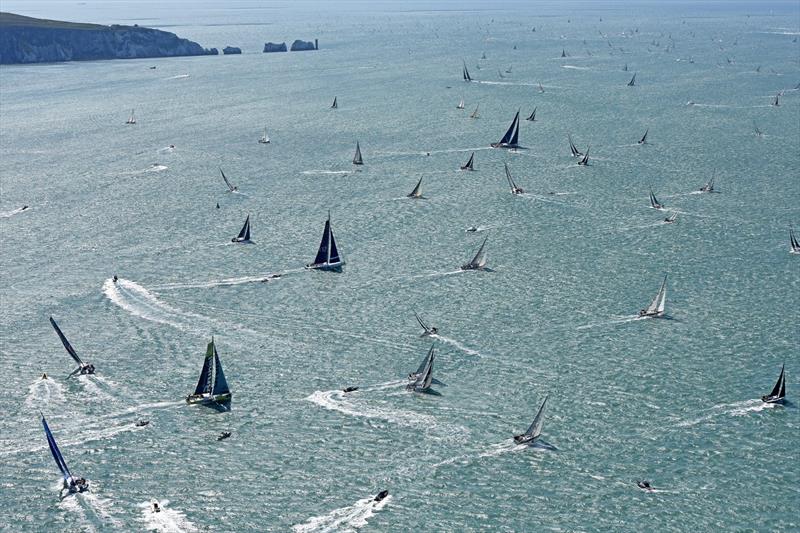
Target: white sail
x: 132, y: 118
x: 479, y: 261
x: 656, y: 307
x: 536, y: 427
x: 475, y: 113
x: 264, y: 138
x: 460, y: 104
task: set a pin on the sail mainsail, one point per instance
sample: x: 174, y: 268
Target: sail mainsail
x: 532, y: 116
x: 204, y: 384
x: 643, y: 140
x: 511, y: 137
x: 220, y: 383
x: 656, y: 307
x: 469, y: 164
x: 479, y: 261
x: 357, y: 160
x: 65, y: 342
x: 424, y: 374
x: 475, y: 113
x: 779, y: 390
x: 794, y: 242
x: 424, y: 364
x: 51, y: 442
x: 231, y: 187
x: 535, y: 428
x: 244, y: 233
x: 417, y: 192
x: 633, y: 81
x: 334, y: 105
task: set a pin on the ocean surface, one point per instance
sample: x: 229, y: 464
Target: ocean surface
x: 675, y: 400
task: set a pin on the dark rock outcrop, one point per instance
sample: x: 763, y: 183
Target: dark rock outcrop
x: 300, y: 46
x: 31, y: 40
x: 231, y: 50
x: 274, y: 47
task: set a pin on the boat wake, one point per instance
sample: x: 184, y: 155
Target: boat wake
x: 93, y: 512
x: 140, y: 302
x: 225, y: 282
x: 575, y: 67
x: 96, y: 387
x: 44, y: 392
x: 178, y: 77
x: 346, y: 519
x: 336, y: 172
x: 466, y: 350
x: 155, y: 167
x: 9, y: 214
x: 741, y: 408
x: 621, y: 320
x: 336, y: 400
x: 167, y: 520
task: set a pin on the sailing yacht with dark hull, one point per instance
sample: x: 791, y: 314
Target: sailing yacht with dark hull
x: 514, y: 188
x: 511, y: 138
x: 429, y: 330
x: 709, y: 186
x: 633, y: 81
x: 479, y: 261
x: 83, y: 368
x: 71, y: 483
x: 417, y: 192
x: 573, y: 150
x: 469, y: 165
x: 131, y: 119
x: 643, y: 140
x: 532, y: 116
x: 357, y: 159
x: 264, y: 138
x: 778, y: 393
x: 335, y: 104
x: 584, y: 162
x: 212, y: 387
x: 535, y: 430
x: 231, y: 187
x: 244, y: 234
x: 475, y: 114
x: 654, y: 203
x: 422, y: 379
x: 793, y: 242
x: 465, y: 73
x: 328, y: 257
x: 656, y: 307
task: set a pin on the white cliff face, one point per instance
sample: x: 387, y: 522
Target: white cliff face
x: 40, y: 44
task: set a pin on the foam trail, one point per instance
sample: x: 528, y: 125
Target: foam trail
x: 623, y: 320
x: 730, y: 409
x: 101, y: 507
x: 167, y: 520
x: 71, y: 504
x: 215, y: 282
x: 44, y: 392
x: 9, y: 214
x: 335, y: 400
x: 178, y: 77
x: 156, y: 168
x: 468, y: 351
x: 95, y: 392
x: 140, y: 302
x: 331, y: 172
x: 346, y: 519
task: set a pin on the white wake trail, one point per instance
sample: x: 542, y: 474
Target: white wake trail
x: 346, y: 519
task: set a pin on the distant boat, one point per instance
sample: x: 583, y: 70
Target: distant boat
x: 264, y: 138
x: 508, y: 70
x: 334, y: 105
x: 413, y: 376
x: 584, y: 162
x: 71, y: 483
x: 357, y: 160
x: 643, y: 140
x: 479, y: 261
x: 535, y: 430
x: 633, y: 81
x: 231, y: 187
x: 541, y: 89
x: 795, y: 245
x: 131, y: 119
x: 500, y: 74
x: 328, y: 257
x: 424, y: 376
x: 625, y: 68
x: 671, y: 218
x: 654, y: 203
x: 757, y: 131
x: 483, y: 56
x: 532, y: 116
x: 83, y: 368
x: 656, y: 307
x: 511, y: 138
x: 709, y: 186
x: 572, y: 148
x: 475, y: 113
x: 514, y: 188
x: 563, y: 53
x: 417, y: 192
x: 469, y: 164
x: 244, y: 233
x: 465, y: 73
x: 777, y: 101
x: 212, y: 388
x: 460, y: 104
x: 429, y: 330
x: 778, y: 393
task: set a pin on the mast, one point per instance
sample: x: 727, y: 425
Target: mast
x: 475, y: 113
x: 67, y: 346
x: 643, y: 140
x: 51, y: 442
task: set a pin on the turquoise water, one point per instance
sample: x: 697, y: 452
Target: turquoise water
x: 674, y: 401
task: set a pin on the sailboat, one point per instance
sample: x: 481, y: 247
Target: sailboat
x: 470, y: 162
x: 334, y: 105
x: 643, y: 140
x: 460, y: 104
x: 244, y: 234
x: 656, y: 307
x: 417, y: 192
x: 535, y: 429
x: 479, y: 261
x: 625, y: 68
x: 654, y: 203
x: 328, y: 255
x: 475, y: 113
x: 483, y: 56
x: 777, y: 101
x: 572, y: 148
x: 671, y: 218
x: 231, y: 187
x: 357, y: 160
x: 131, y: 119
x: 511, y: 138
x: 514, y: 188
x: 71, y: 483
x: 500, y: 75
x: 429, y: 330
x: 778, y: 394
x: 83, y: 368
x: 212, y: 388
x: 264, y: 138
x: 709, y: 186
x: 541, y: 89
x: 423, y: 377
x: 532, y: 116
x: 758, y: 131
x: 795, y: 245
x: 633, y: 81
x: 563, y: 53
x: 584, y: 162
x: 465, y: 73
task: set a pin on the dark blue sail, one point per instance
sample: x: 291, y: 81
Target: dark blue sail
x: 244, y: 233
x: 220, y: 384
x: 51, y: 441
x: 65, y: 342
x: 204, y: 383
x: 322, y: 253
x: 334, y: 258
x: 515, y: 136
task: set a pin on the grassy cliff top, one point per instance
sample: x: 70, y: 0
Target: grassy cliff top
x: 8, y: 20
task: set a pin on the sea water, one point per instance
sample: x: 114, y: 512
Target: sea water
x: 675, y: 400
